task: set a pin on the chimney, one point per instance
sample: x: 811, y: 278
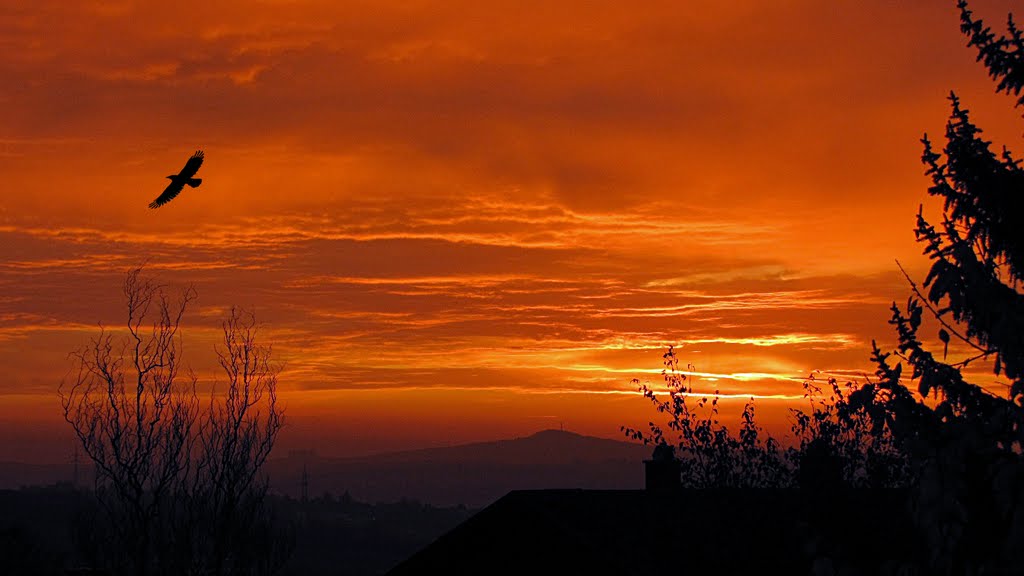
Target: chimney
x: 662, y: 470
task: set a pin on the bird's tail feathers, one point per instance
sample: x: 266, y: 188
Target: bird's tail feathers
x: 193, y: 182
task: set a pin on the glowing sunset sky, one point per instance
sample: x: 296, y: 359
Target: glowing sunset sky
x: 480, y: 219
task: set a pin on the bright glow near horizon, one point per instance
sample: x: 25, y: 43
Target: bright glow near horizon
x: 475, y: 221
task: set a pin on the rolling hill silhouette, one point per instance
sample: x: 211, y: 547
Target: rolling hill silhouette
x: 471, y: 474
x: 14, y: 474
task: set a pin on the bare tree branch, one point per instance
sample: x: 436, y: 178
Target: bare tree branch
x: 180, y: 486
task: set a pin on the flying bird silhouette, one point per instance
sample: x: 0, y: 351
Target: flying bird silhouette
x: 179, y: 180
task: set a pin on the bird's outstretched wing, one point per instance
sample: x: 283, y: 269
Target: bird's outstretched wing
x: 178, y: 182
x: 191, y: 167
x: 169, y: 193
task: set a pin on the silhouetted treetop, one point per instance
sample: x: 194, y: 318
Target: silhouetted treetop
x: 961, y: 454
x: 977, y: 252
x: 1002, y: 55
x: 966, y: 449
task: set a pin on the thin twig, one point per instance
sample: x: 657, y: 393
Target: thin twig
x: 952, y: 330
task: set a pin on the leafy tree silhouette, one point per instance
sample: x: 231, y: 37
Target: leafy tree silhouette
x: 836, y: 444
x: 711, y: 456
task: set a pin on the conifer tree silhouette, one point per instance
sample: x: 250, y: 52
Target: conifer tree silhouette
x: 966, y: 445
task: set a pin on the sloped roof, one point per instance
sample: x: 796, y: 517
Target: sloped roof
x: 627, y: 532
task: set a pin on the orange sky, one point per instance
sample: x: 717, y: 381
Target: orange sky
x: 476, y: 220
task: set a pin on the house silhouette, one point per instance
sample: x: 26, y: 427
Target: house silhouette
x: 665, y: 529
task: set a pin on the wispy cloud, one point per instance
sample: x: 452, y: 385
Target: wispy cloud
x: 464, y: 206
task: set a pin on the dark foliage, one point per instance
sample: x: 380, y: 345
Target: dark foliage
x: 711, y: 456
x: 966, y: 442
x: 836, y: 445
x: 1002, y: 55
x: 41, y: 530
x: 956, y: 443
x: 340, y: 536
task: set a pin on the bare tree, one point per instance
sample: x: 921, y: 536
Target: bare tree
x: 133, y: 417
x: 238, y: 433
x: 179, y: 487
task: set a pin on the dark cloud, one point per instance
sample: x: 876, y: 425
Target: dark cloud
x: 522, y: 200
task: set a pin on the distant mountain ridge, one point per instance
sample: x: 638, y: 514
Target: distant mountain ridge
x: 14, y: 475
x: 473, y: 474
x: 547, y: 446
